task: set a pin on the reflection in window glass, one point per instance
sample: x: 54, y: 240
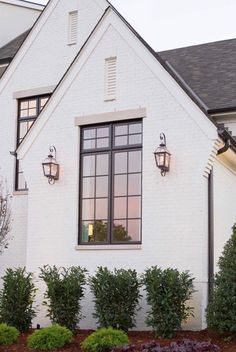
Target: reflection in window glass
x: 111, y: 174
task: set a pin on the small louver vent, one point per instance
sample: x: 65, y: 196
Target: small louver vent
x: 73, y: 23
x: 110, y: 79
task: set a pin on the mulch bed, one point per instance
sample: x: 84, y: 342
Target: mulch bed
x: 137, y: 338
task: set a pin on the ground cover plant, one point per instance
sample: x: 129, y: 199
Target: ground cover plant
x: 167, y: 294
x: 185, y: 345
x: 116, y: 297
x: 65, y: 289
x: 221, y: 312
x: 8, y: 334
x: 17, y: 299
x: 50, y: 338
x: 104, y: 340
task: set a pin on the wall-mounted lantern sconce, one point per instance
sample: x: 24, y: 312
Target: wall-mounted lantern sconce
x: 162, y: 156
x: 51, y: 167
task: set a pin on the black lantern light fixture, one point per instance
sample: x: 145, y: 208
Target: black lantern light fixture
x: 50, y: 166
x: 162, y: 156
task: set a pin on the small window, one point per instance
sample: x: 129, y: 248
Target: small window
x: 111, y: 184
x: 110, y: 78
x: 28, y: 111
x: 72, y: 27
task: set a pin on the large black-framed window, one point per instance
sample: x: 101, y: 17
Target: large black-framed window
x: 28, y: 111
x: 110, y: 204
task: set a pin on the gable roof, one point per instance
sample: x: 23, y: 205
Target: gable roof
x: 209, y: 70
x: 8, y: 51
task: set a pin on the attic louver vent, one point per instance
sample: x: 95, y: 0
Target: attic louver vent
x: 73, y: 23
x: 110, y: 78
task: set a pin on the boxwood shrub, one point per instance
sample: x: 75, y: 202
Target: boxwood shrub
x: 104, y: 340
x: 49, y: 338
x: 8, y: 334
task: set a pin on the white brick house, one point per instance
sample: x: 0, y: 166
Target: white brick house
x: 110, y: 98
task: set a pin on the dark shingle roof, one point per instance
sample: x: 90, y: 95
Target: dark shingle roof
x: 209, y: 70
x: 9, y: 50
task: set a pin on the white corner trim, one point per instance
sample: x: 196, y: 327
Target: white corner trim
x: 111, y: 116
x: 32, y: 92
x: 109, y: 247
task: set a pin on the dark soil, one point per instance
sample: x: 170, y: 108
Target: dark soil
x: 137, y: 338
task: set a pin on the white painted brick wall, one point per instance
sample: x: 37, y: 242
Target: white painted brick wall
x: 174, y: 207
x: 43, y: 65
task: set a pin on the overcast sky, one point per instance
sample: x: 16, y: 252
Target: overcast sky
x: 167, y: 24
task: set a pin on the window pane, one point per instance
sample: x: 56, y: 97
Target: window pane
x: 135, y: 161
x: 88, y: 231
x: 89, y: 144
x: 102, y: 132
x: 88, y: 209
x: 32, y: 104
x: 134, y: 184
x: 24, y: 113
x: 89, y: 134
x: 120, y: 163
x: 101, y: 208
x: 102, y: 186
x: 103, y: 143
x: 88, y: 187
x: 121, y: 129
x: 24, y: 105
x: 135, y: 139
x: 135, y: 128
x: 134, y: 229
x: 102, y: 164
x: 120, y: 233
x: 134, y: 207
x: 89, y: 165
x: 123, y: 140
x: 101, y: 231
x: 23, y: 129
x: 32, y: 112
x: 120, y: 187
x: 43, y: 102
x: 120, y: 208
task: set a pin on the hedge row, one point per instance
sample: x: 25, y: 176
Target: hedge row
x: 116, y: 297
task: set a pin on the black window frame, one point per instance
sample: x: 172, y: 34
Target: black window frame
x: 26, y: 119
x: 110, y: 150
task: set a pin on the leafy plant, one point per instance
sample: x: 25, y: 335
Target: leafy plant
x: 104, y: 340
x: 8, y: 334
x: 221, y: 310
x: 5, y: 217
x: 180, y: 346
x: 167, y: 293
x: 65, y: 288
x: 49, y: 338
x: 116, y: 297
x: 17, y: 299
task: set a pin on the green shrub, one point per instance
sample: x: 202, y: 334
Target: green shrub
x: 8, y: 334
x: 167, y: 293
x: 104, y: 340
x: 65, y: 288
x: 116, y: 297
x: 49, y: 338
x: 17, y: 299
x: 221, y: 311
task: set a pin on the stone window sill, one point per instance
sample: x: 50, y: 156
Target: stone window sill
x: 109, y: 247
